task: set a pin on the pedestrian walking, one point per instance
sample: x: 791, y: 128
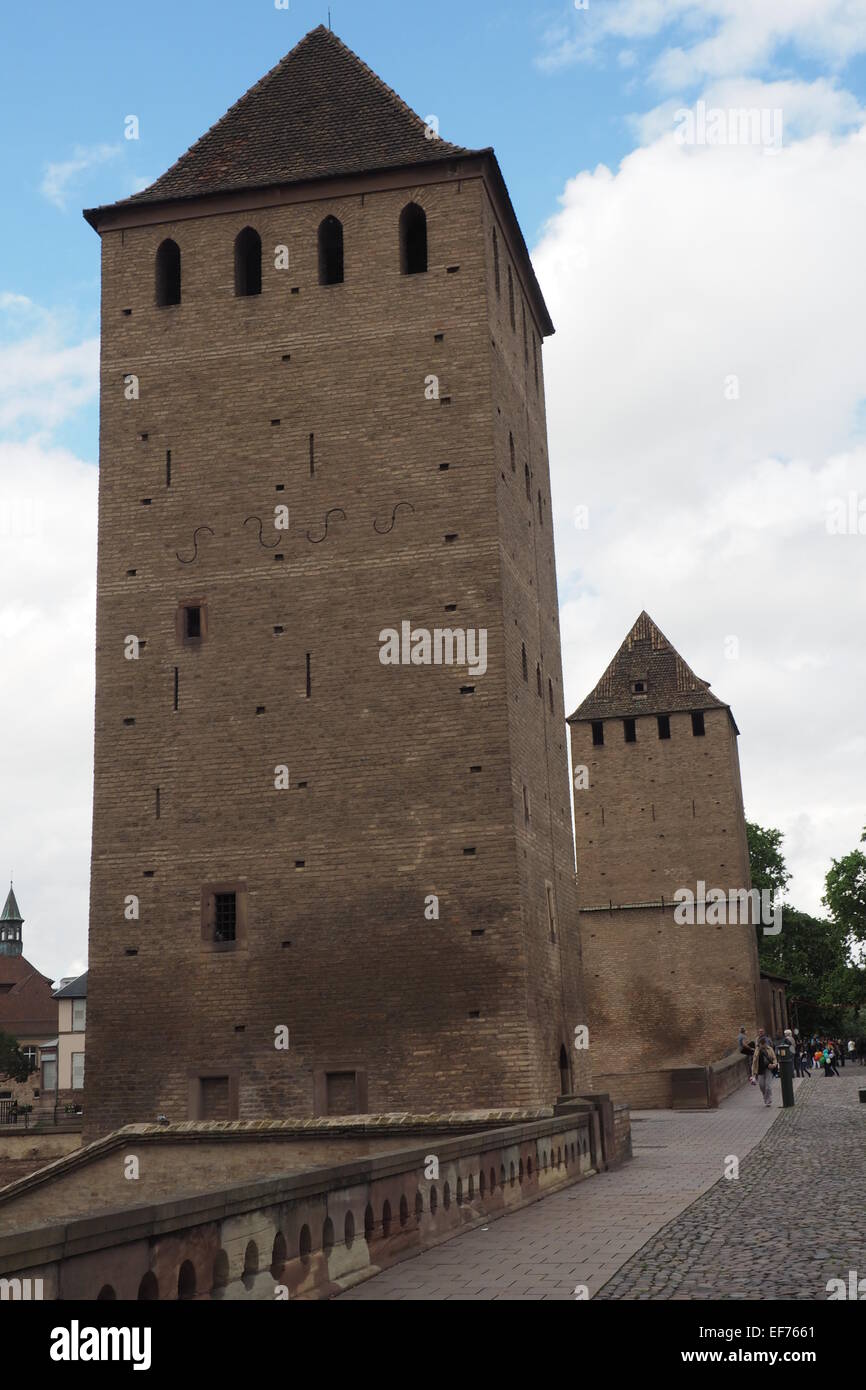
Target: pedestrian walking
x: 764, y: 1065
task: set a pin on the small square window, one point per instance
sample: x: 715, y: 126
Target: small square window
x: 192, y: 622
x: 698, y: 723
x: 225, y: 916
x: 638, y: 687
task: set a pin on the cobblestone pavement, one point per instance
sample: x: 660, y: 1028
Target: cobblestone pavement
x: 588, y: 1232
x: 794, y: 1219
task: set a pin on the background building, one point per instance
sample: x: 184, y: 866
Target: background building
x: 27, y: 1013
x: 658, y: 807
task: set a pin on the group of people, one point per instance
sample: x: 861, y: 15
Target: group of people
x: 829, y: 1053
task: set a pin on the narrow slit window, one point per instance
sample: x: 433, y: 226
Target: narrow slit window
x: 168, y: 274
x: 331, y: 251
x: 309, y: 678
x: 524, y: 661
x: 168, y: 467
x: 538, y: 682
x: 496, y: 276
x: 528, y: 482
x: 550, y: 694
x: 413, y: 240
x: 312, y: 455
x: 511, y: 313
x: 511, y: 451
x: 248, y: 263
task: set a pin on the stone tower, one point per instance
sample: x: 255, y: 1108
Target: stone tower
x: 659, y: 808
x: 11, y: 923
x: 332, y: 850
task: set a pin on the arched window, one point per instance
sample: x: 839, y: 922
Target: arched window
x: 413, y: 240
x: 331, y: 252
x: 168, y: 274
x: 279, y: 1253
x: 511, y: 313
x: 496, y: 275
x: 148, y: 1289
x: 386, y: 1220
x: 106, y: 1294
x: 404, y: 1211
x: 248, y: 263
x: 305, y: 1245
x: 369, y: 1223
x: 186, y: 1280
x: 327, y: 1236
x: 419, y: 1207
x: 349, y: 1230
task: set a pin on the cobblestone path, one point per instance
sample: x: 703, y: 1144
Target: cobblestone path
x: 795, y: 1218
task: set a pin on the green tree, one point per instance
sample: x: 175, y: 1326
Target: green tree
x: 845, y: 892
x: 769, y: 870
x: 13, y: 1063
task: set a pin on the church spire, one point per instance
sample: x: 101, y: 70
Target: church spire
x: 11, y: 923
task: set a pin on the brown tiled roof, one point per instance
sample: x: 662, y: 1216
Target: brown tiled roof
x: 646, y: 655
x: 29, y: 1007
x: 320, y: 113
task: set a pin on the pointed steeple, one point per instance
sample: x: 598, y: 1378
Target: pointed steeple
x: 647, y: 676
x: 11, y: 923
x: 320, y: 113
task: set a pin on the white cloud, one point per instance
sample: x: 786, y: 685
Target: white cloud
x: 59, y: 178
x: 43, y: 381
x: 47, y: 615
x: 711, y: 38
x: 685, y: 268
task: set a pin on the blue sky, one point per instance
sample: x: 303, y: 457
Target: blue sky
x: 668, y: 271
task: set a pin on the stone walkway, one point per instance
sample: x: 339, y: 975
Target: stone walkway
x: 802, y: 1192
x: 795, y: 1219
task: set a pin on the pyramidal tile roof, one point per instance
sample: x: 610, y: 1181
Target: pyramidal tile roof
x: 320, y: 113
x: 11, y: 912
x: 646, y: 657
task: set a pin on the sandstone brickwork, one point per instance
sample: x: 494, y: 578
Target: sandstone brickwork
x: 380, y: 411
x: 658, y: 814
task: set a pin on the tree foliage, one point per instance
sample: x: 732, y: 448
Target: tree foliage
x: 845, y: 892
x: 13, y: 1063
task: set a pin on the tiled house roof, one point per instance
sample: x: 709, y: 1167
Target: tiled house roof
x: 27, y: 1005
x: 320, y: 113
x: 646, y: 658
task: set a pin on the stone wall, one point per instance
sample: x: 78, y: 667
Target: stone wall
x: 313, y: 1233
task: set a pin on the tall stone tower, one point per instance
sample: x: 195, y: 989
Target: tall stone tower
x: 332, y: 850
x: 658, y: 807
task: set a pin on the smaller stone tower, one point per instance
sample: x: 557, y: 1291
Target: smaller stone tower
x: 11, y: 923
x: 658, y: 809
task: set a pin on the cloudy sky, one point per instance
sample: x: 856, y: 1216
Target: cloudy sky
x: 706, y: 386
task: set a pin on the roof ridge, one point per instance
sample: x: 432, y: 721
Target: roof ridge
x: 393, y: 95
